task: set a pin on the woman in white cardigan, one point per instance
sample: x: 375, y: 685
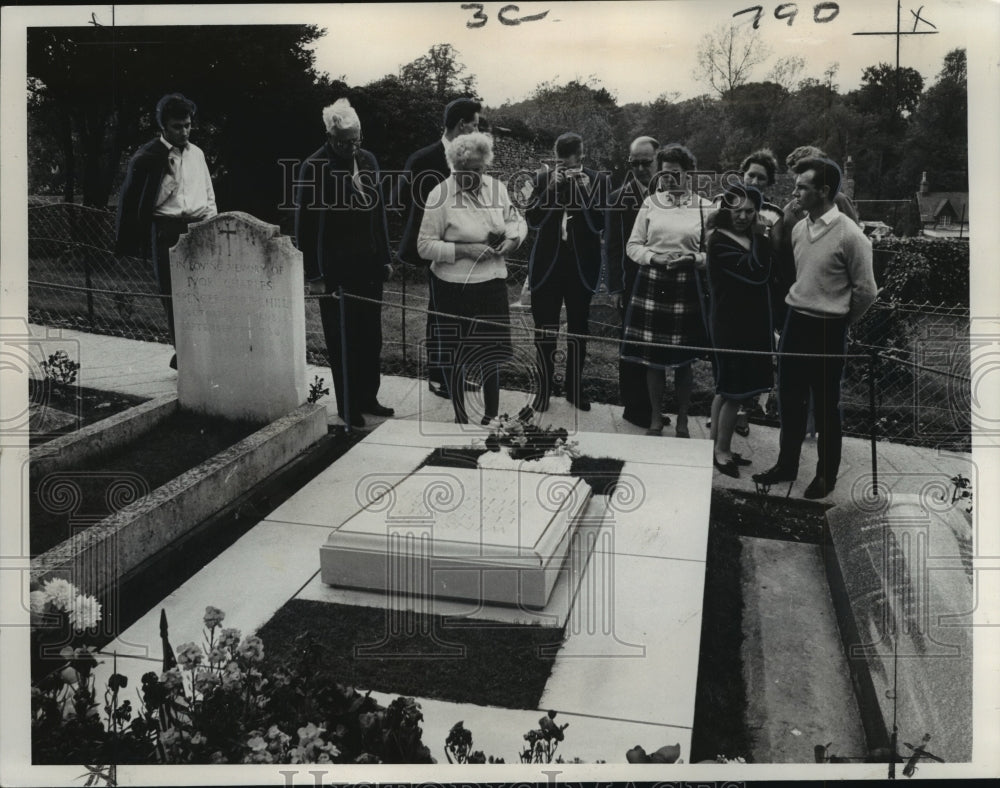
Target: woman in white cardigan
x: 469, y: 228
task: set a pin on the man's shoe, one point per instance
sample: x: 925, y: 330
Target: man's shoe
x: 818, y: 488
x: 377, y: 409
x: 173, y: 361
x: 774, y: 476
x: 580, y: 404
x: 357, y: 420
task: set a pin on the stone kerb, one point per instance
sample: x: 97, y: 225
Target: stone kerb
x: 240, y: 319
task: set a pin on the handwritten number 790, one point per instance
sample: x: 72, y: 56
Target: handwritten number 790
x: 822, y: 13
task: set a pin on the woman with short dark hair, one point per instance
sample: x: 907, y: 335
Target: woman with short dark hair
x: 666, y: 305
x: 739, y: 266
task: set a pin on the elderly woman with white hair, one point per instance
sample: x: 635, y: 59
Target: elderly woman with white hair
x: 468, y: 229
x: 340, y: 227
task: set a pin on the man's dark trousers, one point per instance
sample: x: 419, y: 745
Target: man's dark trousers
x: 564, y: 283
x: 363, y: 338
x: 797, y: 377
x: 166, y: 231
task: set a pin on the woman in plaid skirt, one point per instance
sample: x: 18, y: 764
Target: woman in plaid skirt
x: 666, y: 307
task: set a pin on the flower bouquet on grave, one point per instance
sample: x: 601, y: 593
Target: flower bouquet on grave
x: 518, y: 444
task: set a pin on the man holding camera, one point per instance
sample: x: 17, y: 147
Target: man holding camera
x: 567, y: 211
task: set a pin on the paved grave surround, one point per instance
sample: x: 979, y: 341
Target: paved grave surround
x: 627, y: 672
x: 897, y: 577
x: 240, y: 319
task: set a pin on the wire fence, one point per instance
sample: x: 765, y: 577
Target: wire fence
x: 912, y: 359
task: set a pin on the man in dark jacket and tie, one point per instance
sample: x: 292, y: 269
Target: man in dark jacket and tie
x: 424, y: 170
x: 340, y: 228
x: 623, y: 207
x: 566, y: 209
x: 167, y: 186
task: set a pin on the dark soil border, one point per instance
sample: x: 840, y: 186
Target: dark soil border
x: 417, y: 654
x: 177, y: 444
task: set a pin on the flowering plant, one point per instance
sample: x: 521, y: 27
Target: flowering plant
x: 61, y: 617
x: 218, y: 702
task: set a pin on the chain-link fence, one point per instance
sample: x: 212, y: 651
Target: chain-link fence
x: 917, y: 353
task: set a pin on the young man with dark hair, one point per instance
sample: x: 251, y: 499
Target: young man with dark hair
x: 424, y: 170
x: 566, y: 209
x: 834, y: 286
x: 167, y: 186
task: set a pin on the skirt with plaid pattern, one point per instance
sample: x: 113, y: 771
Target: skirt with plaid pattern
x: 666, y: 308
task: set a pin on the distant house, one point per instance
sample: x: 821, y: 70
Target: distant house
x: 942, y: 214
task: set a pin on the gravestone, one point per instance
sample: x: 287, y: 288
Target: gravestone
x: 240, y: 319
x: 900, y: 575
x: 489, y: 536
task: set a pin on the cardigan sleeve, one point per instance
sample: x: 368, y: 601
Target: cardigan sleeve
x: 637, y: 247
x: 430, y: 242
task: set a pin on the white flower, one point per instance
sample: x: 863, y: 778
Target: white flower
x: 60, y: 593
x: 38, y: 602
x: 85, y: 613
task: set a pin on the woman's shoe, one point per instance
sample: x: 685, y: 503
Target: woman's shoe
x: 681, y: 432
x: 739, y: 459
x: 487, y: 420
x: 654, y: 431
x: 729, y: 468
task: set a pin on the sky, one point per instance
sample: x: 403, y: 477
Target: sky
x: 638, y: 50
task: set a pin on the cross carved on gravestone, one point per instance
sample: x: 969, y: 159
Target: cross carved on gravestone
x: 228, y: 232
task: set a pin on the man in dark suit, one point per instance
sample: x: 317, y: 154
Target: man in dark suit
x: 424, y: 170
x: 566, y: 209
x: 623, y: 207
x: 167, y: 186
x: 340, y: 228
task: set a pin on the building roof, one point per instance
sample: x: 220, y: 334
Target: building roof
x: 933, y: 204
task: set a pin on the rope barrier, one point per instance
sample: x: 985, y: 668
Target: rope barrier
x: 883, y: 352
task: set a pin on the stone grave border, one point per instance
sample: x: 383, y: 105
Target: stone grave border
x: 98, y: 558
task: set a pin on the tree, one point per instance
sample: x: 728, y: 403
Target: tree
x: 439, y: 70
x: 258, y: 95
x: 938, y: 138
x: 727, y: 56
x: 884, y: 90
x: 585, y: 107
x: 786, y: 70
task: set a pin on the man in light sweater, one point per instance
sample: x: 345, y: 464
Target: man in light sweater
x: 834, y: 286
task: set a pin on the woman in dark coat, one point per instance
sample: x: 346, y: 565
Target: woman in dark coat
x: 739, y: 267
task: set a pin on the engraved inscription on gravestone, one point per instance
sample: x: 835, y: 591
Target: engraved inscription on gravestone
x: 240, y: 319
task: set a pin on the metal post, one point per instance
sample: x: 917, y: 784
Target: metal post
x: 873, y: 414
x: 342, y: 308
x: 402, y: 314
x: 90, y: 292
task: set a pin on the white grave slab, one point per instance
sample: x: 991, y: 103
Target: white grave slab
x: 240, y: 319
x: 489, y: 536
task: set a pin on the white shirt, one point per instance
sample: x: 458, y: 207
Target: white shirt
x: 186, y: 188
x: 453, y: 216
x: 819, y: 226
